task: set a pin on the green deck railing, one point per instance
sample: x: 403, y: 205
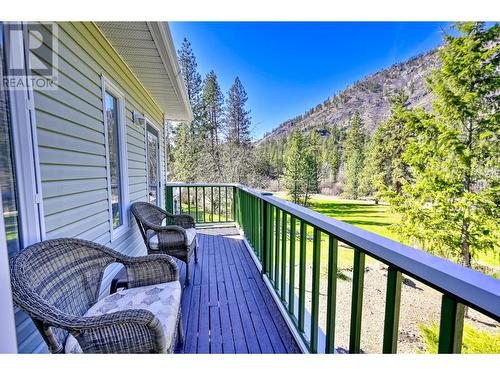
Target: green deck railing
x: 278, y: 233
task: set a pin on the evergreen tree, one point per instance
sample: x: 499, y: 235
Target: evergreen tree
x: 452, y: 207
x: 295, y: 167
x: 239, y: 161
x: 212, y: 103
x: 237, y: 116
x: 191, y: 78
x: 184, y: 159
x: 385, y: 170
x: 355, y: 144
x: 185, y: 153
x: 333, y: 151
x: 312, y: 172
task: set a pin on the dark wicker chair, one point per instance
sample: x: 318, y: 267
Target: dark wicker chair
x: 57, y: 283
x: 165, y: 233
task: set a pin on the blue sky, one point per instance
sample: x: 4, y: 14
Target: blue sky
x: 289, y: 67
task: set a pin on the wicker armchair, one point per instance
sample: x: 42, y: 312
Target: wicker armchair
x: 57, y: 283
x: 165, y: 233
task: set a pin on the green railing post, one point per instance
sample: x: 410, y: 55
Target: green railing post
x: 234, y: 204
x: 302, y: 274
x: 265, y: 236
x: 169, y: 199
x: 392, y: 304
x: 283, y: 257
x: 291, y: 286
x: 331, y: 294
x: 357, y: 301
x: 204, y: 206
x: 315, y: 289
x: 270, y: 262
x: 277, y: 249
x: 196, y: 203
x: 451, y: 326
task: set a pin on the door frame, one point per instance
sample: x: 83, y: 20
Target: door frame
x: 159, y: 198
x: 25, y: 148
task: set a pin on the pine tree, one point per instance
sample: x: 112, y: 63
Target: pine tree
x: 313, y: 162
x: 239, y: 161
x: 452, y: 207
x: 185, y: 153
x: 184, y: 159
x: 385, y: 170
x: 295, y: 167
x: 191, y: 78
x: 355, y: 144
x: 212, y: 103
x: 237, y: 116
x: 333, y: 151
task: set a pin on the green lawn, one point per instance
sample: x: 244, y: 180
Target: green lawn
x: 369, y: 216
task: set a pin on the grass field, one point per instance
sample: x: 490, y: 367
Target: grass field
x: 376, y: 218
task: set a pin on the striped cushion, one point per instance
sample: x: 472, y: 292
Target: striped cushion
x: 163, y: 300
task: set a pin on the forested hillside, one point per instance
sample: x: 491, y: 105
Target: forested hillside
x: 369, y: 96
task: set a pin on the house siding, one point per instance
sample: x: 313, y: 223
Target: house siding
x: 71, y: 147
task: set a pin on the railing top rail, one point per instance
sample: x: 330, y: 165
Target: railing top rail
x: 473, y: 288
x: 184, y: 184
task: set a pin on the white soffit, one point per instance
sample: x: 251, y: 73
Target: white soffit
x: 148, y: 50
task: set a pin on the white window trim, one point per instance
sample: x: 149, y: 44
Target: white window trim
x: 8, y: 342
x: 107, y: 85
x: 26, y: 159
x: 148, y: 121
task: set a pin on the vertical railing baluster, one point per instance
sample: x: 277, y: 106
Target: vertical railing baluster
x: 272, y: 227
x: 196, y: 203
x: 220, y: 206
x: 291, y: 277
x: 226, y: 206
x: 451, y: 326
x: 180, y: 199
x: 315, y: 289
x: 283, y: 257
x: 392, y: 304
x: 189, y: 201
x: 211, y: 204
x: 204, y: 206
x: 265, y: 237
x: 357, y: 301
x: 331, y: 294
x: 277, y: 249
x: 302, y: 274
x: 169, y: 199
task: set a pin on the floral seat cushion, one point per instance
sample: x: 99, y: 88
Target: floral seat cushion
x: 190, y: 233
x: 163, y: 300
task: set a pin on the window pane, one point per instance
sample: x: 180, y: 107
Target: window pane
x: 152, y: 165
x: 7, y: 172
x: 114, y: 158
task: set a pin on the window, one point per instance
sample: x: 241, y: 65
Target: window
x: 153, y: 161
x: 7, y: 171
x: 114, y: 125
x: 20, y: 184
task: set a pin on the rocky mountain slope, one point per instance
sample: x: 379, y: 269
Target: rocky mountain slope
x: 369, y: 96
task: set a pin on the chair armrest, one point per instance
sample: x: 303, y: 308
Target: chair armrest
x: 127, y: 331
x: 150, y: 270
x: 183, y: 220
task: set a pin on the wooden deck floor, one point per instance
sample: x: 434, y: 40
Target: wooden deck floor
x: 227, y: 307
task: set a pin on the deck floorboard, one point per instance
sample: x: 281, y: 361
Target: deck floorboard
x: 227, y: 308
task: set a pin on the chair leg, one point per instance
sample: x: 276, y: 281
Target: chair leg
x: 186, y: 282
x: 180, y: 332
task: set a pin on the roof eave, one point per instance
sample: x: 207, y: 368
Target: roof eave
x: 165, y: 46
